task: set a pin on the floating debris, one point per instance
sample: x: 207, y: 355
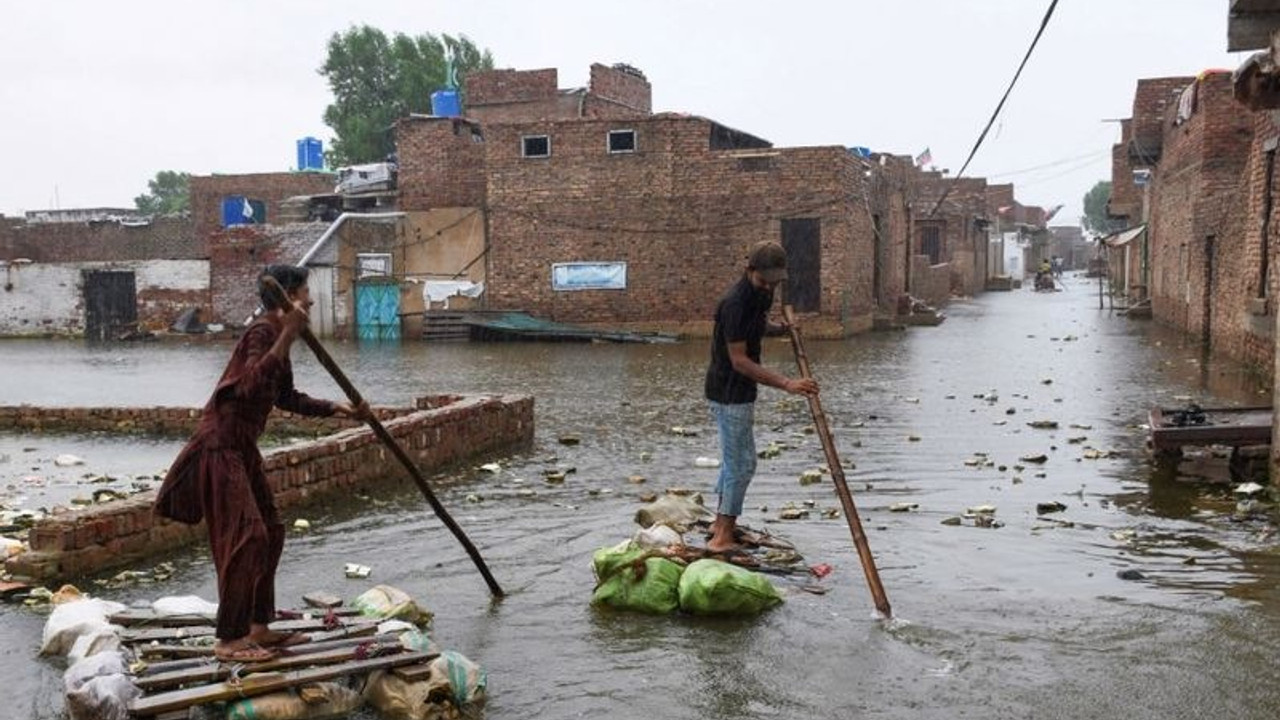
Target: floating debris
x: 302, y: 524
x: 952, y: 521
x: 1130, y: 575
x: 1040, y: 458
x: 1046, y: 508
x: 791, y: 512
x: 1249, y: 489
x: 356, y: 571
x: 830, y: 513
x: 706, y: 462
x: 982, y: 510
x: 67, y: 460
x: 913, y: 438
x: 570, y: 440
x: 492, y: 467
x: 772, y: 451
x: 810, y: 477
x: 554, y: 477
x: 1043, y: 424
x: 636, y: 479
x: 103, y: 495
x: 475, y: 498
x: 901, y: 507
x: 987, y: 521
x: 684, y: 431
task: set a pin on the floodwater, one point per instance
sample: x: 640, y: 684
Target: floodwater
x: 1028, y: 620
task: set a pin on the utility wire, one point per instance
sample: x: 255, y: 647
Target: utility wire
x: 1055, y: 163
x: 999, y: 106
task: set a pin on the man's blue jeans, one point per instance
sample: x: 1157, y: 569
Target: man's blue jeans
x: 737, y: 454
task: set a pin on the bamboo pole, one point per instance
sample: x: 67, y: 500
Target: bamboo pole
x: 837, y: 473
x: 281, y: 300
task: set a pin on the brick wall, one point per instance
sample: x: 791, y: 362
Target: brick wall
x: 167, y: 421
x: 1126, y: 196
x: 207, y: 192
x: 1204, y: 187
x: 930, y: 283
x: 961, y: 221
x: 442, y: 163
x: 890, y: 194
x: 515, y: 96
x: 495, y: 87
x: 40, y: 299
x: 1152, y: 98
x: 437, y: 435
x: 162, y: 239
x: 615, y: 86
x: 678, y: 213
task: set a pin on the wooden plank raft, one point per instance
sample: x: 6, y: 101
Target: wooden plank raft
x: 263, y: 683
x: 210, y: 671
x: 352, y: 631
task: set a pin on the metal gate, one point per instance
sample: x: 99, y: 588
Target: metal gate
x: 110, y: 303
x: 378, y: 309
x: 802, y: 239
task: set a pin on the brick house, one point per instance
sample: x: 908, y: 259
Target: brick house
x: 666, y: 203
x: 1205, y: 259
x: 954, y: 234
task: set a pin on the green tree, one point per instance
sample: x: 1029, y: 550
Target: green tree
x: 1095, y: 208
x: 167, y: 194
x: 377, y: 80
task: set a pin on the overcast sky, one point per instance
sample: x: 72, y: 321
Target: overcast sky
x: 99, y: 96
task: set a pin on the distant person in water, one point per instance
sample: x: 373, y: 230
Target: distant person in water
x: 218, y: 476
x: 740, y: 323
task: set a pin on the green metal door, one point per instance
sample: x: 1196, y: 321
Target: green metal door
x: 378, y: 309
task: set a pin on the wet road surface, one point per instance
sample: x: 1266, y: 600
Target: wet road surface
x: 1028, y: 620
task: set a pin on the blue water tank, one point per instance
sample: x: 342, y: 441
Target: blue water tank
x: 310, y: 154
x: 862, y: 152
x: 446, y: 103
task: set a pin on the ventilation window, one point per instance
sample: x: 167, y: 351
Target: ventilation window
x: 535, y: 146
x: 622, y: 141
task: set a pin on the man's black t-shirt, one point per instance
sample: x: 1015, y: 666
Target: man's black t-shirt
x: 741, y: 316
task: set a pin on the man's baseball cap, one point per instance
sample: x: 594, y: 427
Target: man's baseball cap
x: 768, y: 259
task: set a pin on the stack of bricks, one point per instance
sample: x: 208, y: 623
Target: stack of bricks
x: 442, y: 432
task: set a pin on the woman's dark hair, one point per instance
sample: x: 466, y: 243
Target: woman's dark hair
x: 290, y: 277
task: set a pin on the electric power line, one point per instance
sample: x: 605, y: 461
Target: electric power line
x: 999, y: 106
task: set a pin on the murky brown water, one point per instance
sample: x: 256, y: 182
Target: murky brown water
x: 1028, y: 620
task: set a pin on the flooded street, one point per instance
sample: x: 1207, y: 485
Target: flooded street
x: 1027, y: 620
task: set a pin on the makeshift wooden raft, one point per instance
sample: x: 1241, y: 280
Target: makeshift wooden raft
x: 177, y: 671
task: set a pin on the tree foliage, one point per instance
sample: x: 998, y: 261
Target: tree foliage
x: 167, y: 194
x: 1095, y: 208
x: 376, y: 80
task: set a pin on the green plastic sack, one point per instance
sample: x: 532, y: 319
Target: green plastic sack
x: 713, y: 587
x: 656, y: 591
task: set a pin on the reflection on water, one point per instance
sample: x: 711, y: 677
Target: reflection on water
x: 1028, y: 620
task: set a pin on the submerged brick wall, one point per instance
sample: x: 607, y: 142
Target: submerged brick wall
x: 442, y: 431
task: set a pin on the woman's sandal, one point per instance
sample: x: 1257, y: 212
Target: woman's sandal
x: 276, y: 639
x: 250, y: 653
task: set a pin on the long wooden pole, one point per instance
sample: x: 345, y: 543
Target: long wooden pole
x: 281, y: 300
x: 837, y: 473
